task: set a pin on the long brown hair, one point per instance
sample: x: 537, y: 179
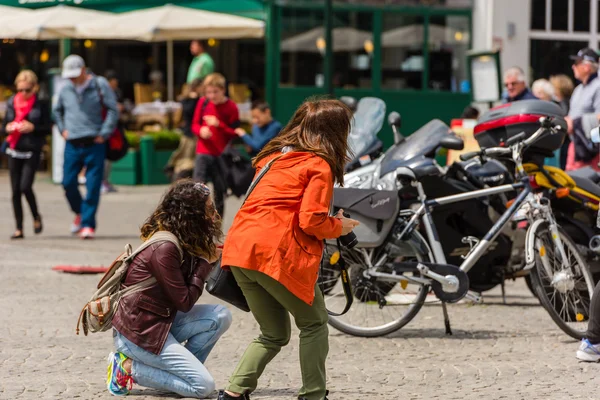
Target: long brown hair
x: 320, y: 127
x: 188, y: 213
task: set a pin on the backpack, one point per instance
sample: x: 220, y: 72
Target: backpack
x: 97, y: 314
x: 117, y: 144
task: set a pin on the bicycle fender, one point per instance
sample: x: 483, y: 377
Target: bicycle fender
x: 530, y: 244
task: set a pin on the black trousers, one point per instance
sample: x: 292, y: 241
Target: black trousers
x: 593, y: 332
x: 208, y: 169
x: 22, y: 174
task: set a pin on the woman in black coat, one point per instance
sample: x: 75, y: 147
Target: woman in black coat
x: 26, y: 124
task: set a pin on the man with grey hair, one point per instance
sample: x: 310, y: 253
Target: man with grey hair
x: 584, y: 108
x: 516, y: 86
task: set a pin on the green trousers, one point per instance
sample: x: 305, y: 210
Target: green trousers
x: 271, y: 303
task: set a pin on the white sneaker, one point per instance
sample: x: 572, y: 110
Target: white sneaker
x: 87, y: 233
x: 588, y: 352
x: 76, y: 225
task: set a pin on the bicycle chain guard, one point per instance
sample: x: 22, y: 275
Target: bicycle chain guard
x: 446, y: 269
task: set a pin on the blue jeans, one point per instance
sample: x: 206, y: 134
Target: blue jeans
x: 178, y: 368
x: 92, y: 158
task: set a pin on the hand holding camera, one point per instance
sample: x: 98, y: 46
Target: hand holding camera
x: 348, y: 238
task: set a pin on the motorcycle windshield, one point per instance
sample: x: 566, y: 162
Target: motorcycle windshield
x: 423, y: 143
x: 367, y: 122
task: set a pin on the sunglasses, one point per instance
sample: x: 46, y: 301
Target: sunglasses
x: 509, y: 84
x: 202, y: 188
x: 29, y: 90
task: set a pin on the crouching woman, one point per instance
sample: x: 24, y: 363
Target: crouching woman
x: 150, y: 326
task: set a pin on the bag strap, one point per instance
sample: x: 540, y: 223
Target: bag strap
x: 262, y: 173
x: 160, y: 236
x: 99, y: 90
x: 345, y: 284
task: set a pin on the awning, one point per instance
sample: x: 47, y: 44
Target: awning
x: 46, y: 23
x: 170, y: 22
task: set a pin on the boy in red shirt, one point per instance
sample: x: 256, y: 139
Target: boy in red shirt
x: 215, y: 121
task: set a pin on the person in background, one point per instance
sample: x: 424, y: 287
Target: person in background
x: 162, y: 337
x: 202, y: 65
x: 78, y: 116
x: 543, y: 90
x: 470, y: 112
x: 26, y: 122
x: 113, y: 81
x: 516, y: 86
x: 275, y: 244
x: 215, y: 120
x: 181, y: 162
x: 585, y: 102
x: 264, y: 128
x: 563, y: 89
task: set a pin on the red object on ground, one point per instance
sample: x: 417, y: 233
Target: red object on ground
x: 80, y: 269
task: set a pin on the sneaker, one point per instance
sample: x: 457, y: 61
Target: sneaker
x: 588, y: 351
x: 108, y: 188
x: 118, y: 381
x: 225, y: 396
x: 76, y: 225
x: 87, y: 233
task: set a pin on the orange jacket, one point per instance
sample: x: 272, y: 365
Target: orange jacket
x: 279, y: 231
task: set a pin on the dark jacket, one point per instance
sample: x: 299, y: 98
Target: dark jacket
x: 188, y: 108
x: 145, y: 318
x: 39, y: 116
x: 524, y: 95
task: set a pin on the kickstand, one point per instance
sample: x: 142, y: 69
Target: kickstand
x: 503, y: 292
x: 446, y: 319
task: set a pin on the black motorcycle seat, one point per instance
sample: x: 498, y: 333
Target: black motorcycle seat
x: 587, y: 173
x: 376, y: 204
x: 586, y: 184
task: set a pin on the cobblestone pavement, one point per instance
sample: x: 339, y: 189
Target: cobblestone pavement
x: 498, y: 351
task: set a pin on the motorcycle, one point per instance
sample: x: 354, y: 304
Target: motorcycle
x: 458, y: 224
x: 369, y: 115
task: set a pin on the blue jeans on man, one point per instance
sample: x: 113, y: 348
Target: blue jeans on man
x: 91, y: 157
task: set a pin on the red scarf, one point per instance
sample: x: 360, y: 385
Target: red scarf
x: 22, y: 107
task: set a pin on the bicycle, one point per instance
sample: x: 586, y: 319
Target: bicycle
x: 399, y: 274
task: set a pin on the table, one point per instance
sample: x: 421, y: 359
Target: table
x: 157, y: 111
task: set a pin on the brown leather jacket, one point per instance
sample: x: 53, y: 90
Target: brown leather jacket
x: 145, y: 318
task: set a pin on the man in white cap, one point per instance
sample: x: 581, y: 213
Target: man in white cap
x: 86, y: 114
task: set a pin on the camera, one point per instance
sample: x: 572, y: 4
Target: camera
x: 349, y: 240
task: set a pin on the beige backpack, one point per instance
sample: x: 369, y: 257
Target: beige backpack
x: 98, y: 313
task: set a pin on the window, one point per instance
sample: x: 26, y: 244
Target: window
x: 551, y: 57
x: 538, y: 14
x: 448, y: 46
x: 560, y: 15
x: 402, y: 52
x: 353, y: 49
x: 581, y: 19
x: 302, y: 47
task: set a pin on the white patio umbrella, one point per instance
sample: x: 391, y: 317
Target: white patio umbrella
x: 169, y: 23
x: 344, y: 39
x: 413, y: 35
x: 47, y: 23
x: 6, y: 11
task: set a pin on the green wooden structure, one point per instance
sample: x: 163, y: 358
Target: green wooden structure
x: 410, y: 53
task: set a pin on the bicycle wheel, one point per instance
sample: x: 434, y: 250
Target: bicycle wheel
x: 564, y: 293
x: 380, y: 307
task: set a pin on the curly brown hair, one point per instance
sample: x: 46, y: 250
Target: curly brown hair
x: 188, y: 213
x: 320, y: 127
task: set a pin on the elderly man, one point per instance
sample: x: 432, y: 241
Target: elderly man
x: 516, y: 86
x: 584, y: 108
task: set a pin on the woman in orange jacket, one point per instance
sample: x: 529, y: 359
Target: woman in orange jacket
x: 275, y: 244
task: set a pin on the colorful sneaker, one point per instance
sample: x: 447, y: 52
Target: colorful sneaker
x: 588, y: 351
x: 87, y: 233
x: 76, y: 225
x: 118, y: 381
